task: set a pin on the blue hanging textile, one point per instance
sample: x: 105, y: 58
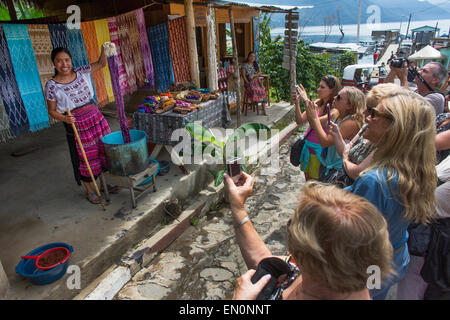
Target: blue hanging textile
x: 58, y: 35
x: 256, y: 36
x: 78, y: 51
x: 9, y: 90
x: 158, y: 37
x: 27, y: 75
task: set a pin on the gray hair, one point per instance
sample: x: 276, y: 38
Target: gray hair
x: 440, y: 73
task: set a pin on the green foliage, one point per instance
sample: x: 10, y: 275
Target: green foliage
x: 310, y: 67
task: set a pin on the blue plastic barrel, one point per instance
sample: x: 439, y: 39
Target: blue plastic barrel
x: 126, y: 158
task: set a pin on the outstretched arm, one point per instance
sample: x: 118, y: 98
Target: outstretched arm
x: 101, y: 63
x: 252, y: 247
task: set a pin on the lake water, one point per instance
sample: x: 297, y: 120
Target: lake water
x: 316, y: 33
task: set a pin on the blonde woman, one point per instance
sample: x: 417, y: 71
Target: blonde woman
x: 358, y: 153
x: 310, y: 157
x: 333, y: 239
x: 401, y: 179
x: 350, y: 104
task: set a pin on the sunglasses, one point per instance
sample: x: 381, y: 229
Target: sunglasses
x: 374, y: 112
x: 333, y: 82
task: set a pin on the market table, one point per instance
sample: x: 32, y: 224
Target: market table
x: 159, y: 127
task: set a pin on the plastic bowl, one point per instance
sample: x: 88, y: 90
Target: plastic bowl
x: 27, y: 268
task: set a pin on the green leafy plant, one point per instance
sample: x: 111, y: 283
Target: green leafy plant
x: 207, y: 138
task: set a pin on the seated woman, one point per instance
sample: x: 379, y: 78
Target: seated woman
x: 350, y: 104
x: 401, y: 180
x: 357, y: 155
x: 310, y: 157
x: 334, y: 239
x: 254, y: 90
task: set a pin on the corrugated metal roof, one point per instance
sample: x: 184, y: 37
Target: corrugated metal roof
x: 263, y: 5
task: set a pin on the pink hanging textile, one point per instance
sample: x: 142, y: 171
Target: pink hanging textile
x: 114, y: 70
x: 145, y: 46
x: 126, y: 51
x: 123, y: 78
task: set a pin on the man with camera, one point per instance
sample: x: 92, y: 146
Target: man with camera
x: 427, y: 79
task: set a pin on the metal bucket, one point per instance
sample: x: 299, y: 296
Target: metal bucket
x: 126, y: 158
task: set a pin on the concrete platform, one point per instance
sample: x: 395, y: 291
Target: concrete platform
x: 41, y: 203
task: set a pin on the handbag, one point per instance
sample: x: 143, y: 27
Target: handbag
x: 296, y: 150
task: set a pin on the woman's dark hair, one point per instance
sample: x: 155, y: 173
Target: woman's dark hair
x: 255, y: 64
x: 58, y: 50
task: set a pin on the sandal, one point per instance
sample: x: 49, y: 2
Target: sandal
x: 93, y: 198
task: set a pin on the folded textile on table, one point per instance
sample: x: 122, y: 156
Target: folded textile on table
x: 27, y: 75
x: 9, y: 90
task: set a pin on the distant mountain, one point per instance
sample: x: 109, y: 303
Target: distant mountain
x: 347, y: 10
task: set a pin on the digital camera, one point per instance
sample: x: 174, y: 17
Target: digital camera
x: 398, y: 62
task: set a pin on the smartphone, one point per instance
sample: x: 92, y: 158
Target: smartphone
x: 310, y: 97
x: 328, y: 113
x: 234, y: 169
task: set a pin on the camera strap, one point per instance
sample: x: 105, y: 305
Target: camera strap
x: 424, y: 82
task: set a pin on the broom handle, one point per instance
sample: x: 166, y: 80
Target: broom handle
x: 86, y: 160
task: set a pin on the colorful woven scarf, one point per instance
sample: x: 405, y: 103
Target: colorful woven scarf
x: 90, y: 42
x: 12, y: 101
x: 58, y: 35
x: 145, y: 46
x: 114, y: 68
x: 123, y: 79
x: 27, y: 75
x: 78, y: 51
x: 130, y: 23
x: 102, y: 30
x: 42, y: 46
x: 126, y: 51
x: 179, y: 49
x: 158, y: 37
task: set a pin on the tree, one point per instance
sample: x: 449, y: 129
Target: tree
x: 341, y: 29
x: 327, y: 25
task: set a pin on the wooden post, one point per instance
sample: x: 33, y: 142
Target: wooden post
x: 211, y: 53
x: 236, y: 74
x: 192, y: 43
x: 292, y: 60
x: 12, y: 10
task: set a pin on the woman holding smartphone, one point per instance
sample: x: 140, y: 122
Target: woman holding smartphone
x: 310, y: 157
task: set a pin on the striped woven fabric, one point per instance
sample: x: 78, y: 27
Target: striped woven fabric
x: 90, y: 42
x: 5, y: 134
x: 123, y: 79
x: 126, y: 51
x: 27, y: 75
x: 9, y: 90
x: 58, y: 35
x: 129, y: 19
x: 158, y: 37
x: 78, y: 51
x: 102, y: 30
x: 145, y: 46
x: 179, y: 49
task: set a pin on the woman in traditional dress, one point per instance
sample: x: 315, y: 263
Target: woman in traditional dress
x: 72, y: 89
x: 254, y: 90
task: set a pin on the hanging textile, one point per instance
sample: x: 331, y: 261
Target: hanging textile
x: 123, y: 81
x: 58, y: 35
x: 256, y: 36
x: 158, y: 37
x: 78, y: 51
x: 12, y: 101
x: 179, y: 49
x: 128, y: 20
x: 145, y: 46
x: 42, y: 46
x: 5, y: 134
x: 102, y: 30
x: 114, y: 68
x: 90, y: 42
x: 27, y: 75
x: 127, y: 54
